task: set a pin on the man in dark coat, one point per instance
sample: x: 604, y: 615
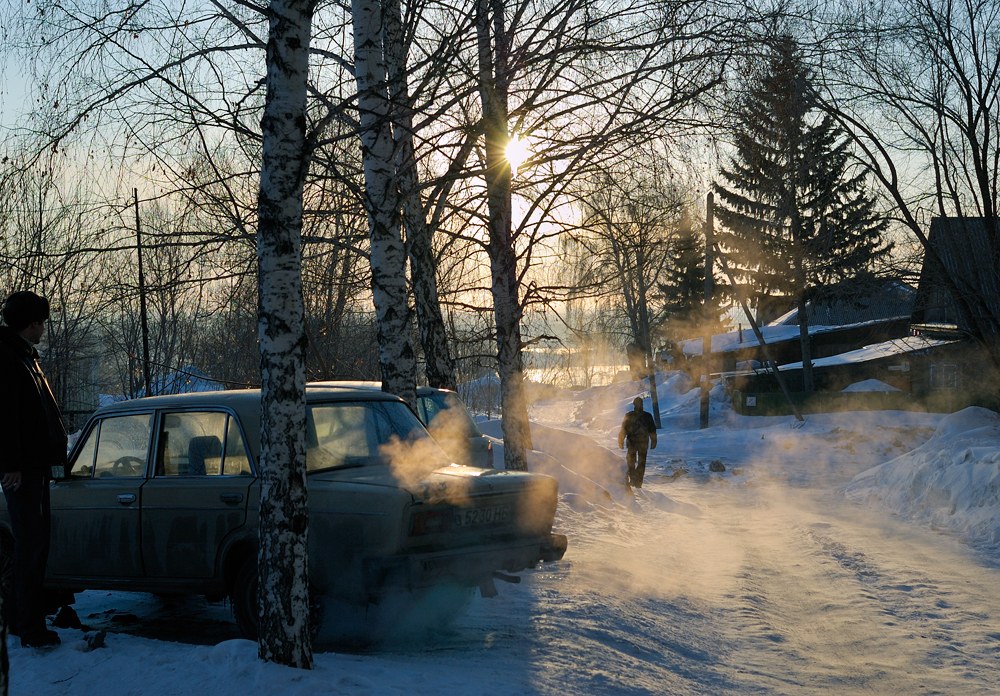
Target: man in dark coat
x: 32, y: 443
x: 638, y: 431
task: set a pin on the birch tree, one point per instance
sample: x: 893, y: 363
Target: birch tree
x: 282, y: 559
x: 388, y: 255
x: 493, y: 44
x: 439, y: 365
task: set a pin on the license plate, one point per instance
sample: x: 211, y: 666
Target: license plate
x: 480, y: 517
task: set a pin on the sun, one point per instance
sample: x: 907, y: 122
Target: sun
x: 517, y: 152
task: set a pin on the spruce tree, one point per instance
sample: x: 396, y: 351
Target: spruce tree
x: 798, y: 222
x: 682, y: 284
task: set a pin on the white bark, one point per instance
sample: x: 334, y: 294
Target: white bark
x: 440, y: 368
x: 382, y: 202
x: 492, y: 42
x: 283, y: 570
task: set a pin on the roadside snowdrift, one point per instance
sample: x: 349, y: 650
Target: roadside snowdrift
x: 952, y: 481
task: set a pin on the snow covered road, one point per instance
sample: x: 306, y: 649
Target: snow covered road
x: 768, y: 590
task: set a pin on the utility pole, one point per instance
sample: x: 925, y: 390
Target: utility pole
x: 769, y: 361
x: 645, y: 336
x: 706, y: 341
x: 142, y: 299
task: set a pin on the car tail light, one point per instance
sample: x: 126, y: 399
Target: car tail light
x: 430, y: 522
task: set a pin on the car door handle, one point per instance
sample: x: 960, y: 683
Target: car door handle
x: 126, y: 498
x: 231, y: 498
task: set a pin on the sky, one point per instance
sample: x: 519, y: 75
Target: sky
x: 13, y: 85
x: 852, y: 553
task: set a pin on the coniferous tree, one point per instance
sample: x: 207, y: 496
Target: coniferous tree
x: 686, y: 310
x: 798, y: 221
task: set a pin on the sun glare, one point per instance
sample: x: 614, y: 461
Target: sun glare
x: 517, y: 152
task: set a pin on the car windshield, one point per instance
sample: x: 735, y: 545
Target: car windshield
x: 352, y: 434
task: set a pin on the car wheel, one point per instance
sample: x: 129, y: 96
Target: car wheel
x: 244, y: 599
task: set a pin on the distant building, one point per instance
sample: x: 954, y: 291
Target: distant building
x: 938, y: 364
x: 966, y: 252
x: 878, y: 312
x: 877, y: 301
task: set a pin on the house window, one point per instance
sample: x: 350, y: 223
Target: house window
x: 944, y: 376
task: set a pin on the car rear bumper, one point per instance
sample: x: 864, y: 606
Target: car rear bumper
x: 470, y: 567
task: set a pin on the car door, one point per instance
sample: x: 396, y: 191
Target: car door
x: 197, y: 496
x: 96, y: 509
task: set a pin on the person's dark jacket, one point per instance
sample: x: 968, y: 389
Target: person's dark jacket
x: 32, y: 436
x: 638, y: 430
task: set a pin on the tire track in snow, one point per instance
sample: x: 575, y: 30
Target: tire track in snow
x: 835, y: 606
x: 941, y: 612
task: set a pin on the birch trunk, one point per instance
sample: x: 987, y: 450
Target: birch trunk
x: 493, y: 58
x: 283, y: 594
x: 388, y: 255
x: 440, y: 367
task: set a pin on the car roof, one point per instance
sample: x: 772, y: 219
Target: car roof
x: 240, y: 400
x: 245, y: 403
x: 367, y: 384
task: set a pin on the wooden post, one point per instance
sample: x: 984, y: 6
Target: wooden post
x: 142, y: 300
x: 769, y: 361
x: 706, y: 341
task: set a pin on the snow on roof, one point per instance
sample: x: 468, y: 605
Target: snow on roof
x: 745, y: 338
x: 886, y: 349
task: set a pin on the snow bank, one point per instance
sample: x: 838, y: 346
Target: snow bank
x: 870, y: 385
x: 603, y: 408
x: 952, y: 481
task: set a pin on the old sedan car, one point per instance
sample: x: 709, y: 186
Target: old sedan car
x: 162, y: 494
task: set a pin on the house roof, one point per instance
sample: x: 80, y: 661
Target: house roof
x: 886, y: 349
x: 966, y: 249
x: 773, y: 333
x: 874, y: 300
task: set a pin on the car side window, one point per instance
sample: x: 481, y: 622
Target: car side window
x: 191, y: 444
x: 122, y: 446
x: 83, y: 465
x: 236, y: 461
x: 201, y: 443
x: 422, y: 406
x: 394, y: 421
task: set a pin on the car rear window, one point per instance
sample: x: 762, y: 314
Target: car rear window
x: 352, y: 434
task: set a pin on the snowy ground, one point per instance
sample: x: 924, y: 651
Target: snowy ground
x: 857, y: 553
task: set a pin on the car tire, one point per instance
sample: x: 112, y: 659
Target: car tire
x: 243, y: 597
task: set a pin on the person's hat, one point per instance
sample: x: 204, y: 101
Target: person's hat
x: 23, y: 308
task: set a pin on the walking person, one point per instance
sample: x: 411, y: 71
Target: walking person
x: 32, y: 442
x: 638, y: 431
